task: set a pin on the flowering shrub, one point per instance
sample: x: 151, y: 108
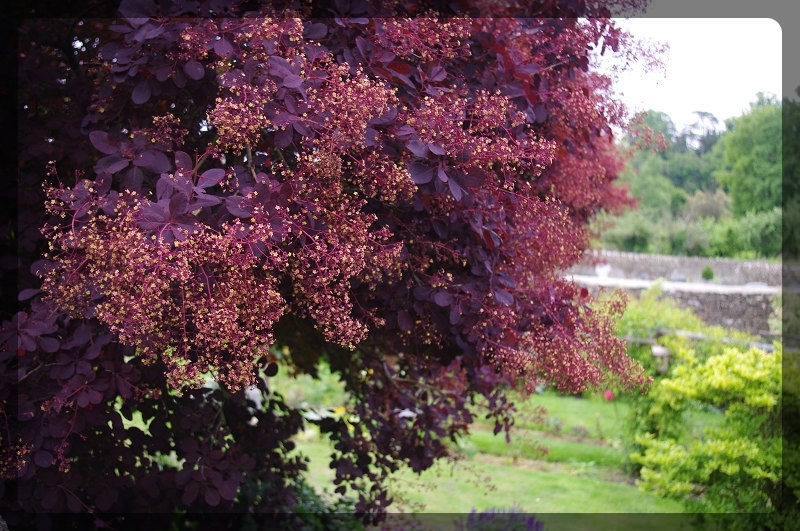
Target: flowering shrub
x: 232, y: 190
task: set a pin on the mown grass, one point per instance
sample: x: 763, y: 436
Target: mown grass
x: 484, y: 481
x: 581, y: 472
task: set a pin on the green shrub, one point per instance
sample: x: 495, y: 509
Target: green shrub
x: 707, y: 273
x: 734, y: 467
x: 653, y: 317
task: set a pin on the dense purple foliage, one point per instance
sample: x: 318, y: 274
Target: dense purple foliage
x: 395, y: 195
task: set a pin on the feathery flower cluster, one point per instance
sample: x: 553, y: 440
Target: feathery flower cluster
x: 345, y: 103
x: 379, y: 177
x: 425, y: 38
x: 486, y: 130
x: 262, y: 37
x: 239, y: 118
x: 201, y: 303
x: 340, y: 251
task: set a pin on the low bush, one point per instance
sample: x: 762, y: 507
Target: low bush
x: 734, y: 467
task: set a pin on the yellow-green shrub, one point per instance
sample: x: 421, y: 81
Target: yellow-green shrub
x: 731, y: 468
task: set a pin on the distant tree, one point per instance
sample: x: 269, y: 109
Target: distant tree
x: 688, y: 170
x: 654, y: 192
x: 706, y: 204
x: 791, y: 177
x: 234, y: 189
x: 751, y: 152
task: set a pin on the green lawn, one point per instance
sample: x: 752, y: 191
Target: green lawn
x: 484, y: 481
x: 581, y: 473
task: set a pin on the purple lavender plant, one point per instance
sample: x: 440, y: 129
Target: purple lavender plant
x: 494, y: 519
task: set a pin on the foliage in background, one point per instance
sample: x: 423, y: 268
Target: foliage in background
x: 752, y: 156
x: 394, y: 193
x: 731, y: 465
x: 651, y: 318
x: 707, y: 192
x: 731, y: 468
x: 791, y: 177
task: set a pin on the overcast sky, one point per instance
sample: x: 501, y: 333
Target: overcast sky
x: 719, y: 62
x: 715, y: 65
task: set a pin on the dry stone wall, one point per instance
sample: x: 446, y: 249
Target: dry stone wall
x: 740, y: 296
x: 618, y: 264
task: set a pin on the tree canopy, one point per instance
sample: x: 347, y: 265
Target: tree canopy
x: 231, y: 190
x: 705, y: 192
x: 752, y: 157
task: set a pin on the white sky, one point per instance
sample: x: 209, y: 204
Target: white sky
x: 715, y: 65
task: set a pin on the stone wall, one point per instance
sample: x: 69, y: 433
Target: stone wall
x: 747, y: 310
x: 740, y: 295
x: 617, y: 264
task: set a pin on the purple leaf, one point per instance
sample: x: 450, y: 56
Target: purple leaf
x: 421, y: 292
x: 74, y: 504
x: 43, y: 458
x: 94, y: 396
x: 124, y: 387
x: 111, y: 164
x: 190, y: 493
x: 436, y: 148
x: 455, y: 314
x: 540, y: 111
x: 49, y: 344
x: 363, y: 46
x: 229, y: 488
x: 158, y: 163
x: 292, y: 81
x: 103, y: 183
x: 283, y: 137
x: 455, y: 189
x: 178, y: 205
x: 162, y: 72
x: 103, y: 142
x: 164, y: 187
x: 141, y: 93
x: 234, y: 205
x: 212, y: 497
x: 473, y: 177
x: 51, y: 498
x: 83, y: 399
x: 183, y: 161
x: 26, y: 410
x: 194, y: 69
x: 404, y: 321
x: 301, y: 128
x: 442, y: 298
x: 530, y: 69
x: 204, y: 200
x: 403, y: 131
x: 210, y: 177
x: 442, y: 174
x: 105, y: 499
x: 144, y: 158
x: 420, y: 173
x: 223, y: 48
x: 279, y: 67
x: 503, y: 297
x: 418, y: 148
x: 315, y: 31
x: 27, y: 294
x: 291, y: 103
x: 284, y: 118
